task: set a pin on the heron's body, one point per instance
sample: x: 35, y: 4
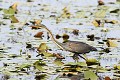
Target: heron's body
x: 72, y: 46
x: 77, y: 47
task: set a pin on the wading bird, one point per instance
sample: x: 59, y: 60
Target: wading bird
x: 71, y: 46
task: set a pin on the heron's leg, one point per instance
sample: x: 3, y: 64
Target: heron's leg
x: 83, y: 57
x: 75, y: 57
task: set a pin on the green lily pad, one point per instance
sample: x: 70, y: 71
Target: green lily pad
x: 9, y: 11
x: 90, y: 75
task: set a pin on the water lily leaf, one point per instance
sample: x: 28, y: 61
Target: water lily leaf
x: 39, y: 65
x: 13, y: 55
x: 91, y: 61
x: 47, y: 54
x: 25, y: 65
x: 58, y: 62
x: 90, y: 75
x: 40, y: 77
x: 102, y: 12
x: 118, y: 1
x: 96, y: 23
x: 42, y: 47
x: 112, y: 43
x: 9, y: 11
x: 58, y: 56
x: 66, y: 13
x: 38, y: 35
x: 107, y: 78
x: 14, y: 19
x: 14, y: 6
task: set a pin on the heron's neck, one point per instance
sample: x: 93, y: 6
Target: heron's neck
x: 53, y: 39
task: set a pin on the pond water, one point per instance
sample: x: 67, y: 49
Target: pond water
x: 18, y: 46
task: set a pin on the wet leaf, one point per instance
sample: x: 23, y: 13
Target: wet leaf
x: 90, y: 75
x: 39, y: 65
x: 25, y: 65
x: 38, y: 35
x: 58, y: 36
x: 42, y: 47
x: 58, y: 56
x: 58, y: 62
x: 65, y: 37
x: 13, y: 55
x: 75, y: 32
x: 115, y: 11
x: 40, y: 77
x: 47, y: 54
x: 14, y: 19
x: 77, y: 63
x: 91, y: 37
x: 35, y: 27
x: 111, y: 43
x: 9, y: 11
x: 96, y: 23
x: 100, y: 2
x: 66, y: 13
x: 111, y: 21
x: 102, y: 12
x: 14, y: 6
x: 107, y: 78
x: 91, y: 61
x: 104, y: 30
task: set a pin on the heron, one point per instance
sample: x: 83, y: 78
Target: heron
x: 75, y: 47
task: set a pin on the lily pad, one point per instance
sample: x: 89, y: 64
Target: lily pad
x: 90, y: 75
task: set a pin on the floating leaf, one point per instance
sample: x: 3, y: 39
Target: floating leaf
x: 104, y: 30
x: 39, y: 65
x: 42, y: 47
x: 47, y: 54
x: 65, y: 37
x: 58, y: 62
x: 14, y: 6
x: 91, y: 61
x: 25, y: 65
x: 112, y: 43
x: 77, y: 63
x: 112, y: 22
x: 9, y: 11
x: 100, y: 2
x: 90, y: 75
x: 76, y: 32
x: 96, y: 23
x: 107, y: 78
x: 58, y: 36
x: 38, y: 35
x: 102, y: 12
x: 58, y: 56
x: 35, y: 27
x: 40, y: 77
x: 66, y: 13
x: 14, y: 19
